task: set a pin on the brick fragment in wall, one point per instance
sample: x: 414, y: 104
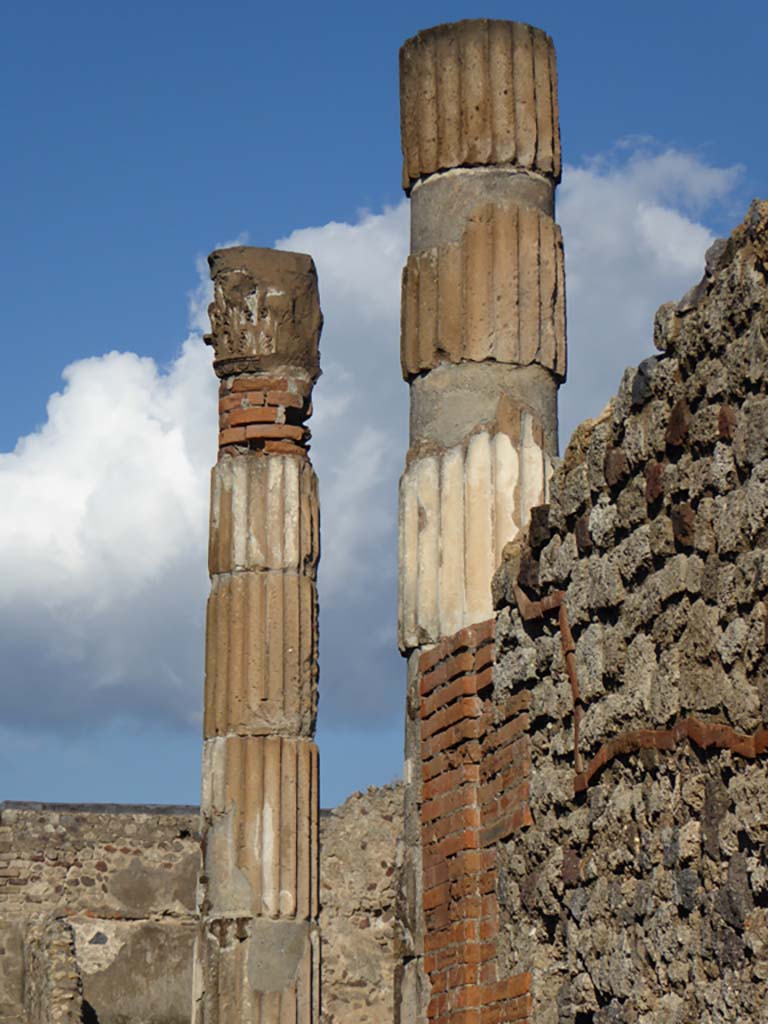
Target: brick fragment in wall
x: 458, y: 509
x: 477, y: 93
x: 498, y: 294
x: 259, y: 816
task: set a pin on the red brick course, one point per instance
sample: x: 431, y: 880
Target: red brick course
x: 475, y: 791
x: 264, y: 414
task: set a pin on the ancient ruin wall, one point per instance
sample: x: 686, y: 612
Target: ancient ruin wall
x: 97, y: 903
x: 120, y: 882
x: 633, y: 623
x: 360, y: 845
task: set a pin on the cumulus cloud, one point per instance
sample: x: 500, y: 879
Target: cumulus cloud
x: 104, y: 515
x: 634, y: 238
x: 102, y: 527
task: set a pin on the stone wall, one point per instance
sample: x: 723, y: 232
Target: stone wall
x: 97, y: 903
x: 633, y: 622
x: 593, y: 799
x: 53, y: 989
x: 359, y: 848
x: 119, y: 880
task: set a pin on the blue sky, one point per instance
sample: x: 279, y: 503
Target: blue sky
x: 138, y: 137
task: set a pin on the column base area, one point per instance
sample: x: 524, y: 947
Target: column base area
x: 257, y: 971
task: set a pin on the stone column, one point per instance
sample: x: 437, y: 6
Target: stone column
x: 257, y: 954
x: 483, y: 344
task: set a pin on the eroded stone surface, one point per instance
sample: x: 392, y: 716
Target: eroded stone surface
x: 499, y: 293
x: 483, y: 349
x: 117, y: 886
x: 257, y: 948
x: 479, y: 92
x: 124, y: 882
x: 265, y: 312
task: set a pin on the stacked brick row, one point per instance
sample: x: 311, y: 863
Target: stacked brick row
x: 265, y: 413
x: 474, y: 792
x: 641, y: 894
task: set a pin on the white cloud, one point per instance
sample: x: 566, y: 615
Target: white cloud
x: 632, y: 241
x: 104, y: 514
x: 102, y: 526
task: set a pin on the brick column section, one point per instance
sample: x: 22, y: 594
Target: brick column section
x: 257, y: 953
x: 475, y: 792
x: 483, y: 350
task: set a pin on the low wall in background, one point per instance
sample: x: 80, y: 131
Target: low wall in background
x: 97, y: 911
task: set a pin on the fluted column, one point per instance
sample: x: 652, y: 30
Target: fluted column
x: 257, y: 954
x: 483, y: 346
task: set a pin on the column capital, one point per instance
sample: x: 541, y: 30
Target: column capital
x: 265, y: 315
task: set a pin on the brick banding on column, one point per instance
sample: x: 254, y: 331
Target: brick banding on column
x: 474, y: 792
x: 483, y: 351
x: 258, y: 409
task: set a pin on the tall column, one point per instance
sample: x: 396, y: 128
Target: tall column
x: 483, y: 345
x: 257, y: 953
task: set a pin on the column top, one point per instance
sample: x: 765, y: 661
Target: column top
x: 265, y: 313
x: 479, y: 93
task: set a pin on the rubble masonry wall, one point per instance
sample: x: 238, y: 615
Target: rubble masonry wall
x: 121, y: 882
